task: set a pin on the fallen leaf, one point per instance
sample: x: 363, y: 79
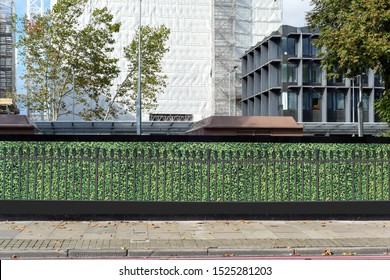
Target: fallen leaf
x: 229, y: 255
x: 327, y: 252
x: 349, y: 254
x: 20, y: 228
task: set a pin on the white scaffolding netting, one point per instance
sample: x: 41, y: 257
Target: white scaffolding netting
x: 207, y: 39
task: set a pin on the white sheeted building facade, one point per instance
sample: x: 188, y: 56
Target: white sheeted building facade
x: 208, y: 37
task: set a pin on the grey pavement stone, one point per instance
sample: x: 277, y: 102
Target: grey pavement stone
x: 164, y: 235
x: 8, y: 234
x: 37, y: 230
x: 228, y: 235
x: 199, y: 235
x: 69, y: 230
x: 324, y: 233
x: 258, y: 234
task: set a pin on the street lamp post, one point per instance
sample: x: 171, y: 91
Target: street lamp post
x: 73, y: 92
x: 230, y: 99
x: 138, y: 101
x: 360, y: 108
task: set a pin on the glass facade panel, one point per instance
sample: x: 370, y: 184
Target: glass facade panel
x: 365, y: 99
x: 336, y: 106
x: 305, y: 74
x: 316, y: 74
x: 306, y: 47
x: 290, y: 100
x: 377, y: 79
x: 292, y: 73
x: 291, y: 46
x: 311, y: 73
x: 340, y: 101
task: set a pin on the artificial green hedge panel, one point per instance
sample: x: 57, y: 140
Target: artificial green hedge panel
x: 174, y: 171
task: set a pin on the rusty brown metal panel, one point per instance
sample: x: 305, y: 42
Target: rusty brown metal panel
x: 242, y: 125
x: 16, y: 124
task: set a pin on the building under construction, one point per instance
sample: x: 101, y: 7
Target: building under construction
x: 7, y: 57
x: 208, y: 37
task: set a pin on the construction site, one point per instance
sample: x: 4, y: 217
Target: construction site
x: 207, y: 39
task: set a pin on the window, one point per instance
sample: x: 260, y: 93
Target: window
x: 290, y: 73
x: 290, y: 100
x: 291, y: 45
x: 314, y: 50
x: 365, y: 101
x: 306, y: 47
x: 316, y: 99
x: 377, y: 79
x: 365, y: 76
x: 336, y: 101
x: 340, y: 101
x: 316, y: 73
x: 312, y: 73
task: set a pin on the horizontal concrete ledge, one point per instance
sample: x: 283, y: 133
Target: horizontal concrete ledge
x: 180, y: 253
x: 344, y: 251
x: 33, y: 254
x: 96, y: 253
x: 202, y: 253
x: 250, y: 252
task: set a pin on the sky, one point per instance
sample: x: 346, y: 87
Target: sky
x: 294, y: 12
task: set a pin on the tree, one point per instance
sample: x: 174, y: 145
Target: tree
x: 67, y: 63
x: 355, y: 34
x: 153, y: 82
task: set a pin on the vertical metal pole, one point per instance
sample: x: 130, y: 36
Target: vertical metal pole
x: 230, y: 100
x: 353, y: 100
x: 360, y: 109
x: 73, y: 91
x: 138, y: 102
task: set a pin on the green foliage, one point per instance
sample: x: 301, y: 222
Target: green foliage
x: 57, y: 51
x: 354, y: 34
x: 160, y: 171
x: 153, y: 82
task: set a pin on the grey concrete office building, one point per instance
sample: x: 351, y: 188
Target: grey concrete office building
x: 282, y: 76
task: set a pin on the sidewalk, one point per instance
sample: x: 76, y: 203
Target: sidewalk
x: 203, y: 238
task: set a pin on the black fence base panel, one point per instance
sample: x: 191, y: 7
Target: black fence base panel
x: 339, y: 208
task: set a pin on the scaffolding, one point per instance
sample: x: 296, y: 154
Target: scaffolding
x: 7, y: 50
x: 238, y: 24
x: 34, y: 8
x: 224, y: 53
